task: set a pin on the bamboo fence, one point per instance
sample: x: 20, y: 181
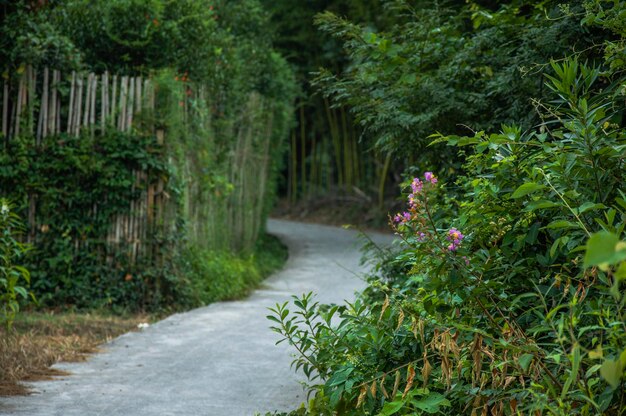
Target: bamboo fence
x: 45, y: 103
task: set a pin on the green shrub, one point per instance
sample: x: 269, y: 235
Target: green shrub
x: 14, y: 278
x: 492, y: 305
x: 221, y: 275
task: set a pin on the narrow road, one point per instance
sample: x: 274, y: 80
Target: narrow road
x: 218, y: 360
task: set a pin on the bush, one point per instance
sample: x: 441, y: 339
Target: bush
x: 14, y: 278
x: 220, y: 275
x: 510, y: 302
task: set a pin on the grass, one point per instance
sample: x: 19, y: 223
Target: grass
x: 39, y: 340
x: 218, y: 275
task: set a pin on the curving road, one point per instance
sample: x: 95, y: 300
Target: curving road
x: 218, y: 360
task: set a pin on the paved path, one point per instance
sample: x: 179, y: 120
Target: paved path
x: 218, y: 360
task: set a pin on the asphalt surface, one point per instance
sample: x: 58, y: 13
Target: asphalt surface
x: 216, y: 360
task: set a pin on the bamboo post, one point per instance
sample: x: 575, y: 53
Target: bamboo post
x: 112, y: 107
x: 5, y: 110
x: 104, y: 100
x: 122, y: 107
x: 70, y: 113
x: 42, y: 125
x: 131, y: 102
x: 146, y: 94
x: 31, y: 86
x: 138, y: 93
x: 79, y: 106
x: 51, y: 123
x: 58, y: 107
x: 18, y: 108
x: 92, y: 104
x: 87, y: 100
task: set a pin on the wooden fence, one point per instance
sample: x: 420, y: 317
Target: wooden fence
x: 36, y: 102
x: 47, y: 102
x: 43, y: 103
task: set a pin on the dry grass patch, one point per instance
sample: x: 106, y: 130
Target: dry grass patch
x: 39, y: 340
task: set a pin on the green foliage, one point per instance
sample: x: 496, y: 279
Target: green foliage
x: 67, y: 176
x: 448, y: 67
x: 522, y: 314
x: 223, y: 275
x: 14, y: 278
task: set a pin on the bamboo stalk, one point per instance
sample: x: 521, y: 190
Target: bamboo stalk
x: 58, y: 110
x: 113, y: 107
x: 347, y: 151
x: 70, y: 114
x: 294, y: 167
x: 334, y: 132
x: 18, y: 112
x: 94, y: 93
x: 131, y: 102
x: 87, y: 100
x: 5, y: 109
x: 104, y: 100
x: 138, y: 92
x: 303, y: 151
x: 122, y: 104
x: 78, y: 106
x: 42, y: 125
x: 31, y: 87
x: 51, y: 124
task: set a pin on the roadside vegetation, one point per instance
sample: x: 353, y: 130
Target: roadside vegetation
x: 506, y: 293
x: 39, y: 340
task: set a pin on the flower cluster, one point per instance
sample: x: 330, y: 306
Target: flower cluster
x: 417, y: 186
x: 417, y: 213
x: 455, y: 237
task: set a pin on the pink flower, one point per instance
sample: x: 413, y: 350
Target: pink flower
x: 430, y: 177
x: 455, y: 237
x: 417, y: 185
x: 402, y: 218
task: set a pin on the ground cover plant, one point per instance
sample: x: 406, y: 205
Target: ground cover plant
x: 506, y: 293
x: 14, y: 278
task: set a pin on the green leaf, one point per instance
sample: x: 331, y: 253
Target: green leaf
x: 431, y: 403
x: 562, y: 224
x: 611, y: 371
x: 524, y: 361
x: 573, y: 375
x: 587, y: 206
x: 526, y: 189
x: 21, y: 291
x: 541, y: 204
x: 604, y: 249
x: 391, y: 408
